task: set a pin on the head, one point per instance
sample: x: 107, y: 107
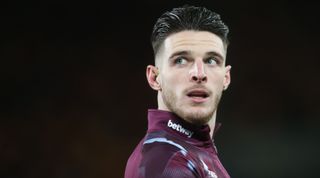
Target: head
x: 190, y: 72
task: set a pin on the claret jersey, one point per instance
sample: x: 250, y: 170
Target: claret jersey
x: 173, y: 148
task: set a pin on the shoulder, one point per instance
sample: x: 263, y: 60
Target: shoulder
x: 166, y: 158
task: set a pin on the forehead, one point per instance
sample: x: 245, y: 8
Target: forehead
x: 198, y: 42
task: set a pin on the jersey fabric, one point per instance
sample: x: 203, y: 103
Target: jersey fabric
x: 173, y: 148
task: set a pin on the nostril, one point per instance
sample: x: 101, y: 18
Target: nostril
x: 204, y: 78
x: 194, y: 78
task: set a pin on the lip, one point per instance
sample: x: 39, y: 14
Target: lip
x: 198, y: 95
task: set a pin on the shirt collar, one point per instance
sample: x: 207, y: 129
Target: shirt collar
x: 170, y: 122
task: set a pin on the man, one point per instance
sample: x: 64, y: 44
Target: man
x: 190, y: 46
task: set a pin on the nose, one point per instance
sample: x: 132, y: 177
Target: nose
x: 197, y: 72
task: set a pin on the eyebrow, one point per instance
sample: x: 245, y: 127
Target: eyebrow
x: 180, y: 53
x: 210, y: 53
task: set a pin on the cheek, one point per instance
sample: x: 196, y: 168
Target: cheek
x: 217, y: 80
x: 173, y: 83
x: 167, y: 82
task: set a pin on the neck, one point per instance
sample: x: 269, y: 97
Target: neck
x: 161, y: 104
x: 212, y: 123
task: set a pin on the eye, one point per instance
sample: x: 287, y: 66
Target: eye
x: 180, y: 61
x: 212, y: 61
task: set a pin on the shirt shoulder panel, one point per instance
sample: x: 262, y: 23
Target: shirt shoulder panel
x: 165, y: 158
x: 180, y: 166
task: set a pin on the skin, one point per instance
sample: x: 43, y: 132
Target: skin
x: 190, y: 75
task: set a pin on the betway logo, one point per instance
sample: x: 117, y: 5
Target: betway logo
x: 179, y: 128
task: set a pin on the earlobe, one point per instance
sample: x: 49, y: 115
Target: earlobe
x: 152, y: 77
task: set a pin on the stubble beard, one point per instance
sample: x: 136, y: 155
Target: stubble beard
x: 195, y: 117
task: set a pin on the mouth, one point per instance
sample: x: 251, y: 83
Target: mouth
x: 198, y: 95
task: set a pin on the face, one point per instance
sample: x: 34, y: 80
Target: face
x: 192, y: 75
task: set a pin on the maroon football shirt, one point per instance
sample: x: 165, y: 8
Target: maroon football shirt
x: 173, y: 148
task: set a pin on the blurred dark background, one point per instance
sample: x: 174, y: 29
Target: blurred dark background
x: 74, y: 97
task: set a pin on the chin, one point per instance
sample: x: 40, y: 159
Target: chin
x: 197, y: 116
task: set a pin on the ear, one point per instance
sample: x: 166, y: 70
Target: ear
x: 227, y: 77
x: 152, y: 77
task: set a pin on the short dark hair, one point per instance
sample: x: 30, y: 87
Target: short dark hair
x: 188, y: 18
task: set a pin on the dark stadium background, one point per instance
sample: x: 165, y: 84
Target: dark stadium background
x: 74, y: 97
